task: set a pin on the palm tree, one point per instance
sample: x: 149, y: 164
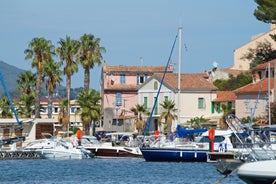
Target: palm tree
x: 26, y: 83
x: 89, y: 103
x: 63, y: 116
x: 226, y: 109
x: 138, y: 111
x: 40, y: 51
x: 196, y: 122
x: 53, y: 74
x: 169, y: 113
x: 89, y: 55
x: 5, y: 108
x: 67, y: 53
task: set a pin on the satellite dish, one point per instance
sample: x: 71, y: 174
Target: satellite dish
x: 215, y: 64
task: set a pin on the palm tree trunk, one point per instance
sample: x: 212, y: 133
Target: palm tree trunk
x: 50, y: 104
x: 169, y: 125
x: 86, y: 78
x: 68, y: 86
x: 37, y: 95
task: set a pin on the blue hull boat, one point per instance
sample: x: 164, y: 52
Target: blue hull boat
x: 174, y: 155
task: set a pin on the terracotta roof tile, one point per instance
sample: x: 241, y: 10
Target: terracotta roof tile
x: 225, y: 96
x: 256, y: 87
x: 136, y: 69
x: 188, y: 81
x: 264, y: 65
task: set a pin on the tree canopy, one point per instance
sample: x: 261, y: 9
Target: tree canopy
x: 233, y: 82
x: 266, y: 11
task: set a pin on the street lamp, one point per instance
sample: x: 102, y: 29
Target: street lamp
x: 117, y: 122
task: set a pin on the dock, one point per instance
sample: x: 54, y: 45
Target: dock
x: 214, y: 156
x: 9, y: 155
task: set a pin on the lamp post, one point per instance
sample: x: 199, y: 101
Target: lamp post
x: 117, y: 122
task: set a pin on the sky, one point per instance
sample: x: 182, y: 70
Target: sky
x: 133, y: 32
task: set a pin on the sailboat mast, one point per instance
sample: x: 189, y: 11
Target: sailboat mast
x: 268, y: 93
x: 179, y: 70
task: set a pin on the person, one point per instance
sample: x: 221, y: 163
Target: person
x: 156, y: 134
x: 79, y: 135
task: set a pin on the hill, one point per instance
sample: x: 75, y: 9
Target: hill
x: 10, y: 74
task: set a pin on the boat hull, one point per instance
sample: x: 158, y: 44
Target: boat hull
x: 116, y: 151
x: 54, y: 154
x: 258, y: 172
x: 174, y: 155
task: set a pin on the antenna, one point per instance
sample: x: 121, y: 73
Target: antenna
x: 215, y: 64
x: 141, y: 61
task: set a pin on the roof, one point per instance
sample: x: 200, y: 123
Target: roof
x: 256, y: 87
x: 136, y: 69
x: 264, y: 65
x: 225, y: 96
x: 194, y: 81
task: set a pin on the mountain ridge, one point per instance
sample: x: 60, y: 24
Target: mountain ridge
x: 10, y: 75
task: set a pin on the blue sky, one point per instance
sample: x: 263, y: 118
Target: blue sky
x: 133, y: 32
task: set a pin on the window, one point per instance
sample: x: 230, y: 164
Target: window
x: 141, y: 78
x: 43, y: 110
x: 56, y: 110
x: 118, y: 98
x: 122, y: 78
x: 73, y: 109
x: 146, y: 102
x: 166, y: 98
x: 155, y: 85
x: 217, y: 139
x: 201, y: 103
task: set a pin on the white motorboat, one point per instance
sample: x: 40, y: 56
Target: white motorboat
x: 121, y: 146
x: 63, y: 151
x: 54, y: 148
x: 258, y: 172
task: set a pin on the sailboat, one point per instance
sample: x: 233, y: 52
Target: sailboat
x: 181, y: 149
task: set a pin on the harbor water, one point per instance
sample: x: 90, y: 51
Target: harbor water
x: 110, y: 171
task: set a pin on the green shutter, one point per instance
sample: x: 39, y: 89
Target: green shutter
x: 213, y: 107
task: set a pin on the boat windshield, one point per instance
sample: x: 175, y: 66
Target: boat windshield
x: 205, y: 139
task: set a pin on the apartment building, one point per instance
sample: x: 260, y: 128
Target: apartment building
x: 119, y: 92
x: 243, y: 64
x: 254, y: 98
x: 195, y: 98
x: 33, y: 128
